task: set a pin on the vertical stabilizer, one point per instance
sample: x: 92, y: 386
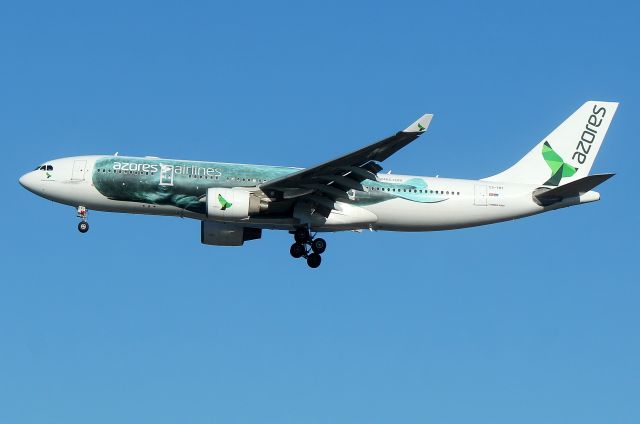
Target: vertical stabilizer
x: 566, y: 154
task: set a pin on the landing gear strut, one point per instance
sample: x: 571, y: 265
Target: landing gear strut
x: 308, y: 247
x: 302, y: 235
x: 83, y: 225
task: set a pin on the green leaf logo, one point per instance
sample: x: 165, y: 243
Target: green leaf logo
x: 224, y: 205
x: 559, y: 168
x: 420, y: 127
x: 48, y: 175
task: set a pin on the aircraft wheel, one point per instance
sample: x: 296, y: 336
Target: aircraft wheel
x: 301, y: 235
x: 318, y: 245
x: 83, y: 226
x: 313, y: 260
x: 297, y: 250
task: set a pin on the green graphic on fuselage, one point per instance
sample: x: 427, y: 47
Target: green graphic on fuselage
x: 224, y: 205
x: 414, y: 189
x: 559, y: 168
x: 184, y: 184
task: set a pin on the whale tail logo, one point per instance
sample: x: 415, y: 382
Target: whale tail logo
x: 224, y: 205
x: 575, y: 142
x: 559, y: 168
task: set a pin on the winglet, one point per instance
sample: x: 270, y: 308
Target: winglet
x: 420, y: 125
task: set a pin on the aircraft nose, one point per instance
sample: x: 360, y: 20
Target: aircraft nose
x: 26, y: 181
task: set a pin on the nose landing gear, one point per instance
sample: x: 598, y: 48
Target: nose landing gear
x: 308, y: 247
x: 83, y: 225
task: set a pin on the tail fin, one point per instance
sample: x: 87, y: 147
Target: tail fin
x: 566, y: 154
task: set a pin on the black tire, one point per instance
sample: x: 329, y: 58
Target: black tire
x: 301, y: 235
x: 313, y: 260
x: 297, y: 250
x: 318, y: 245
x: 83, y: 226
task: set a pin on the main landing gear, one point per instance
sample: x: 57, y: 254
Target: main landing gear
x: 308, y: 247
x: 83, y: 225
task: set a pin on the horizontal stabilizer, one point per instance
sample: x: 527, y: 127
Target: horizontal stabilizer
x: 572, y: 189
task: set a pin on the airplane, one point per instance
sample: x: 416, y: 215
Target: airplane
x: 236, y: 202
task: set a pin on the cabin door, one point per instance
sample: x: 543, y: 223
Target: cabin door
x: 79, y: 169
x: 481, y: 196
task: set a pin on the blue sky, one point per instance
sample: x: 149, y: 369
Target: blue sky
x: 528, y: 321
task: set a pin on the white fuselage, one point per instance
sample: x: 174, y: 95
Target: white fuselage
x: 454, y: 203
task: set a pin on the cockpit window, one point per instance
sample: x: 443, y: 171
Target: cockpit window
x: 49, y: 168
x: 44, y: 168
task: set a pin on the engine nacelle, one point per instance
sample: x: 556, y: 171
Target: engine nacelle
x: 223, y: 234
x: 231, y: 203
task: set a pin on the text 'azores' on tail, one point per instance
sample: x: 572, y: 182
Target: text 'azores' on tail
x: 568, y: 153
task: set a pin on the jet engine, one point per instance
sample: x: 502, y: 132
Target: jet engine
x: 231, y: 203
x: 224, y: 234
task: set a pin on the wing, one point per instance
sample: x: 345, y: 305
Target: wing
x: 324, y: 183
